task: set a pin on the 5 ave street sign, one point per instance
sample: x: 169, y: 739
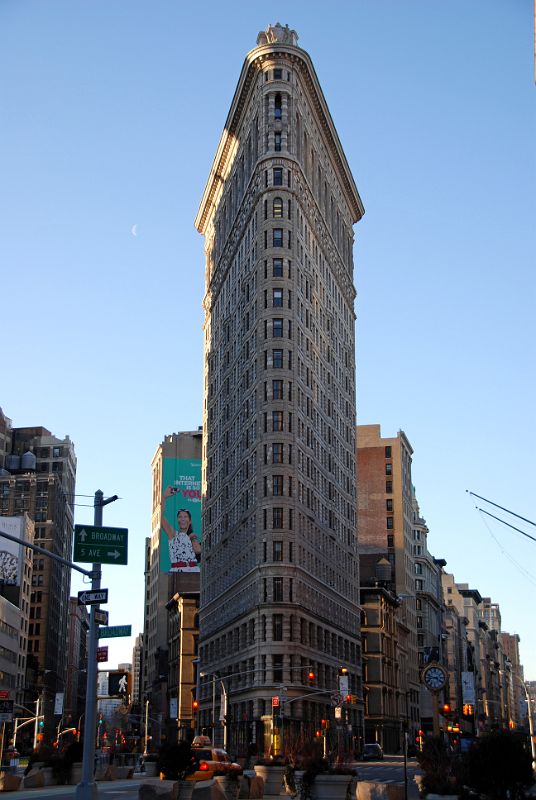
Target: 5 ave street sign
x: 93, y: 598
x: 97, y: 545
x: 114, y: 631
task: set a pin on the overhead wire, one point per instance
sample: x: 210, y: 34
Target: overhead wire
x: 499, y: 544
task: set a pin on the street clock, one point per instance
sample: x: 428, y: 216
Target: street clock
x: 434, y: 677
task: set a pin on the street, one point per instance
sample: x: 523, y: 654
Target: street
x: 389, y: 771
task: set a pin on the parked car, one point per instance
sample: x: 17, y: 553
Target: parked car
x: 372, y: 752
x: 213, y: 759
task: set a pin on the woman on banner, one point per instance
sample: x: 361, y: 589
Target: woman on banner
x: 184, y: 546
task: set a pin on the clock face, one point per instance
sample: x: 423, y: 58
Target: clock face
x: 434, y: 678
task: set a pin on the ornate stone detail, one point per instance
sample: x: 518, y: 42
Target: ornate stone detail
x: 277, y: 34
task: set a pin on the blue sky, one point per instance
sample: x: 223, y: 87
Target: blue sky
x: 110, y: 117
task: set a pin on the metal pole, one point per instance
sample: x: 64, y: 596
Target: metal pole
x: 435, y: 714
x: 146, y: 727
x: 406, y: 765
x: 36, y: 725
x: 213, y: 709
x: 225, y: 710
x: 2, y: 746
x: 87, y: 788
x: 531, y: 724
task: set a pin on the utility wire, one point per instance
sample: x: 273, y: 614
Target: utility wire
x: 510, y: 558
x: 507, y: 523
x: 530, y: 522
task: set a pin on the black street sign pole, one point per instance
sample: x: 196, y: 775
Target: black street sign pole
x: 87, y: 788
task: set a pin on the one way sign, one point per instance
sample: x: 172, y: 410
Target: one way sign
x: 93, y: 598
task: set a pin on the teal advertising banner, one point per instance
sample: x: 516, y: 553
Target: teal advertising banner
x: 180, y: 534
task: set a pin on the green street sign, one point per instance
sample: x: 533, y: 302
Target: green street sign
x: 114, y: 631
x: 97, y: 545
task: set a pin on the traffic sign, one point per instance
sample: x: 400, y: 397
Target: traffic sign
x: 102, y: 654
x: 6, y: 710
x: 4, y: 694
x: 98, y: 545
x: 275, y: 702
x: 114, y: 631
x: 336, y: 698
x: 101, y: 616
x: 93, y: 598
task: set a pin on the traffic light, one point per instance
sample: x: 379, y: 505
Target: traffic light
x: 446, y: 709
x: 318, y: 734
x: 468, y: 710
x: 41, y: 723
x: 348, y: 698
x: 324, y: 724
x: 311, y: 678
x: 195, y: 706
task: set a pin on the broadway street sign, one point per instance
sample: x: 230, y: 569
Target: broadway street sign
x: 98, y: 545
x: 115, y: 630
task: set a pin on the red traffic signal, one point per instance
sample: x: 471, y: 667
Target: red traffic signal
x: 446, y: 708
x: 195, y: 705
x: 311, y: 678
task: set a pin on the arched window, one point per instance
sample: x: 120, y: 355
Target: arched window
x: 277, y: 107
x: 278, y: 208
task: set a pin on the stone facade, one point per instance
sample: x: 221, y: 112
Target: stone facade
x: 280, y: 579
x: 385, y: 521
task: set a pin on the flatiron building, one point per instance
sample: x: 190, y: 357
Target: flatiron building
x: 279, y: 575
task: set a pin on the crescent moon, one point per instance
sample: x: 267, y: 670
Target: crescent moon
x: 134, y: 229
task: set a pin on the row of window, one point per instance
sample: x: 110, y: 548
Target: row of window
x: 278, y: 359
x: 278, y: 177
x: 277, y: 328
x: 278, y: 208
x: 277, y: 238
x: 278, y: 486
x: 278, y: 453
x: 277, y: 268
x: 277, y: 298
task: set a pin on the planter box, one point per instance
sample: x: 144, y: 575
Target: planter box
x: 272, y: 777
x: 332, y: 787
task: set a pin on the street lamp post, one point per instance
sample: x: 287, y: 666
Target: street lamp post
x: 531, y: 723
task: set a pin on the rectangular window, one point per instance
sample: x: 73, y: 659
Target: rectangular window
x: 277, y: 390
x: 277, y: 297
x: 388, y: 505
x: 419, y: 584
x: 277, y: 237
x: 277, y: 453
x: 277, y: 627
x: 278, y: 176
x: 390, y: 540
x: 277, y: 142
x: 277, y: 590
x: 278, y: 74
x: 277, y: 267
x: 278, y: 551
x: 277, y: 485
x: 277, y: 518
x: 277, y: 421
x: 390, y: 523
x: 277, y: 664
x: 388, y: 469
x: 388, y: 451
x: 388, y: 487
x: 277, y: 359
x: 277, y: 328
